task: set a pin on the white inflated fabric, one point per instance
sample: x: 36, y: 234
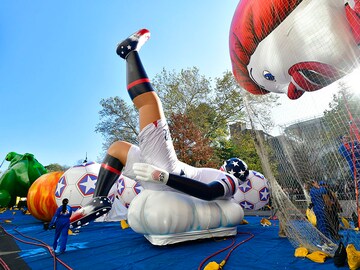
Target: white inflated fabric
x: 166, y: 217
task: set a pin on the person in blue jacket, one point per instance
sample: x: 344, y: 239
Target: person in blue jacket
x: 61, y: 221
x: 317, y: 194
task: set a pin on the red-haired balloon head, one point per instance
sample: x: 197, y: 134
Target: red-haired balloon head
x: 293, y: 46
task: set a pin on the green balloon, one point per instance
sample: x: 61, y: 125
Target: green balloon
x: 15, y: 182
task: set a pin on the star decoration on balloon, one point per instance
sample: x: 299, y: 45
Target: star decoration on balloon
x: 235, y: 163
x: 246, y: 186
x: 60, y: 187
x: 247, y: 205
x: 87, y: 184
x: 264, y: 194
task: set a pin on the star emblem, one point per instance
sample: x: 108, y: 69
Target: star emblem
x: 112, y: 198
x: 264, y: 194
x: 87, y: 184
x: 60, y: 187
x: 235, y: 163
x: 245, y: 187
x: 247, y: 205
x: 137, y: 188
x: 121, y: 186
x: 258, y: 175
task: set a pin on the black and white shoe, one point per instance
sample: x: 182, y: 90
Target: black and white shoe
x: 97, y: 207
x: 133, y: 43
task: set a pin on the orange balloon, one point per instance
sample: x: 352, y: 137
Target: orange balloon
x: 41, y: 196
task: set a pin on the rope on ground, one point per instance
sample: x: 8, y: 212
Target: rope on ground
x: 40, y: 243
x: 4, y: 265
x: 215, y: 265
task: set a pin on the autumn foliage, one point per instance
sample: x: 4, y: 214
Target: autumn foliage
x: 190, y: 144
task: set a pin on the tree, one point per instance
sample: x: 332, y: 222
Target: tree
x: 225, y: 149
x: 210, y: 107
x: 190, y: 144
x: 342, y: 118
x: 204, y: 107
x: 256, y: 118
x: 344, y: 112
x: 241, y: 145
x: 181, y: 91
x: 55, y: 167
x: 119, y: 121
x: 258, y: 110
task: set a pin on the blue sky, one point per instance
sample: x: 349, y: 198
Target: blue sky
x: 58, y: 61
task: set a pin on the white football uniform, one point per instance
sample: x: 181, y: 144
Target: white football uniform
x: 156, y: 148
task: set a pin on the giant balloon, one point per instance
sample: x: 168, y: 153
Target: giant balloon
x: 293, y: 46
x: 77, y: 184
x: 254, y: 193
x: 41, y: 196
x: 23, y: 170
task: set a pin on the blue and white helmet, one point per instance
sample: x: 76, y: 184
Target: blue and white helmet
x: 237, y: 168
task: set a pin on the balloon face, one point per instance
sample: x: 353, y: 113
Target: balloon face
x: 40, y: 198
x: 293, y: 47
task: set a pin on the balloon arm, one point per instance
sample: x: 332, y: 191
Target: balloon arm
x: 195, y: 188
x: 148, y: 172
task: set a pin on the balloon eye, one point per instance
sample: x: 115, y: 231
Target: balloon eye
x: 267, y: 75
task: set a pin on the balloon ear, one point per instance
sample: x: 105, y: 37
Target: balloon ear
x: 293, y: 93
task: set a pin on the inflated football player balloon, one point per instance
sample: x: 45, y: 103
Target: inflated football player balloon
x: 293, y: 46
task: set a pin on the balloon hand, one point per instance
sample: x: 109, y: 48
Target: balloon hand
x: 147, y: 172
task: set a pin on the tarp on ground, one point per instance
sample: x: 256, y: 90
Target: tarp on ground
x: 104, y: 245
